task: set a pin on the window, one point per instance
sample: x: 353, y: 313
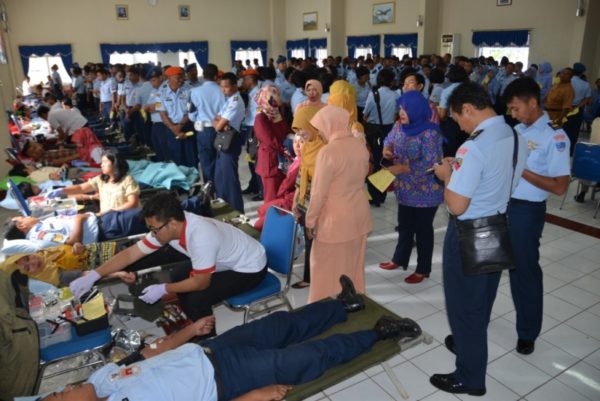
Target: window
x: 362, y: 51
x: 514, y: 54
x: 320, y: 55
x: 299, y: 53
x: 249, y: 54
x: 39, y: 69
x: 168, y: 58
x: 401, y: 51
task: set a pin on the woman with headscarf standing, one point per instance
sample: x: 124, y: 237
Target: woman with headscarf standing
x: 338, y: 218
x: 313, y: 90
x: 414, y: 145
x: 313, y: 143
x: 270, y: 130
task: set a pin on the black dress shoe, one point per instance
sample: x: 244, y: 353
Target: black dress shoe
x: 389, y: 327
x: 352, y: 301
x: 449, y: 384
x: 449, y: 343
x: 580, y: 198
x: 525, y: 347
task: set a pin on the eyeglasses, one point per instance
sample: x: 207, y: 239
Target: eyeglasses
x: 154, y: 230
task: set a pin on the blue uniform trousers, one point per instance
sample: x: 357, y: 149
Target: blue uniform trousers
x: 182, y: 151
x: 160, y: 134
x: 134, y: 125
x: 526, y: 223
x: 227, y: 179
x: 469, y: 301
x: 206, y: 152
x: 274, y: 350
x: 106, y: 108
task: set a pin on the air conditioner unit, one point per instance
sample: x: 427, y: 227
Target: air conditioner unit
x: 450, y: 43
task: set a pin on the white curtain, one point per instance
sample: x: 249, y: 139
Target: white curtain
x: 39, y: 69
x: 362, y: 51
x: 401, y: 52
x: 249, y: 54
x: 299, y: 53
x: 320, y: 55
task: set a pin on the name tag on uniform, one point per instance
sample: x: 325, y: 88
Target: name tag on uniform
x: 124, y: 373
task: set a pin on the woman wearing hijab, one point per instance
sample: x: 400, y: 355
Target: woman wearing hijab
x: 338, y: 218
x: 270, y: 130
x: 414, y: 145
x: 313, y: 90
x: 342, y: 94
x: 312, y: 146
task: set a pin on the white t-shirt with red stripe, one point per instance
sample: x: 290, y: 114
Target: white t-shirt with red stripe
x: 213, y: 246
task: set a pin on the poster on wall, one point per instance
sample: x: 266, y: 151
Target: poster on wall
x: 122, y: 12
x: 383, y: 13
x: 310, y: 21
x: 184, y: 12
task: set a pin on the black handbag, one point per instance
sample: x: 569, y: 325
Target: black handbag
x: 224, y: 139
x: 252, y: 144
x: 484, y: 243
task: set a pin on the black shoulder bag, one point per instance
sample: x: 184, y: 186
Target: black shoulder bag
x: 484, y: 243
x: 224, y: 139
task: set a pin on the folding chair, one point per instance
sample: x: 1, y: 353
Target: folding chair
x: 93, y: 344
x: 16, y: 192
x: 278, y: 238
x: 586, y: 166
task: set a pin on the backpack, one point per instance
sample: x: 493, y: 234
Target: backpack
x: 19, y: 339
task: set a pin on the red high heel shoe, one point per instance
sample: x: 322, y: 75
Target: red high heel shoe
x: 415, y: 278
x: 388, y: 265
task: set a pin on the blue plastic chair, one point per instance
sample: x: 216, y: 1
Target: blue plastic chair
x: 92, y: 344
x: 586, y: 166
x: 278, y: 238
x: 23, y: 207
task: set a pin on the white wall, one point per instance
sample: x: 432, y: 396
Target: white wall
x: 554, y: 27
x: 86, y: 23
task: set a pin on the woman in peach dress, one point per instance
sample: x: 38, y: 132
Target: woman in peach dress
x: 338, y: 217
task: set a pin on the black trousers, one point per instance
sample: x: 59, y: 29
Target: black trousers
x: 572, y: 127
x: 375, y: 135
x: 415, y: 222
x: 223, y: 285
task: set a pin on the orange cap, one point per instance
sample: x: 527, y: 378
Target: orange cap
x: 249, y: 71
x: 173, y: 71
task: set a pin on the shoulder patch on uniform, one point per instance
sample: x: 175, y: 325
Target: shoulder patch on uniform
x: 560, y: 146
x: 462, y: 151
x: 235, y: 98
x: 531, y: 145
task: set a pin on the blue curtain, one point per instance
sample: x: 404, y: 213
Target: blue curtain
x: 314, y: 44
x: 363, y: 41
x: 64, y: 51
x: 500, y: 38
x: 296, y: 44
x: 249, y: 44
x: 200, y: 49
x: 402, y: 40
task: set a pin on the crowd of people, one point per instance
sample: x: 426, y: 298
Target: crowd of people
x: 483, y: 136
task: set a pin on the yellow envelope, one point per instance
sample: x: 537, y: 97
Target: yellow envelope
x: 94, y: 308
x: 382, y: 179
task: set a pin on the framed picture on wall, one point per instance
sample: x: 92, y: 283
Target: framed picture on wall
x: 184, y: 11
x: 310, y: 21
x: 122, y: 11
x: 384, y: 13
x: 504, y: 2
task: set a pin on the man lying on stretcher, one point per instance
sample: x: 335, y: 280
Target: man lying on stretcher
x: 258, y: 361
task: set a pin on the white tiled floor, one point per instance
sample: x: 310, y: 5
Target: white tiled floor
x: 566, y: 363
